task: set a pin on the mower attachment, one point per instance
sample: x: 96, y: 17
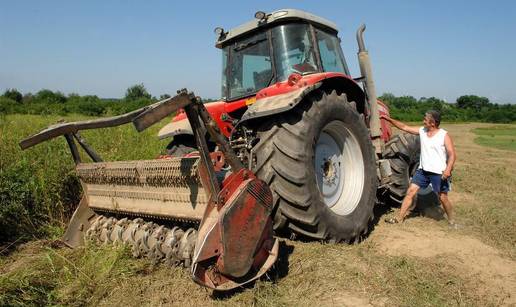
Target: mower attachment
x: 234, y: 243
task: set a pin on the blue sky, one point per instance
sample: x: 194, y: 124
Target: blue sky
x: 420, y: 48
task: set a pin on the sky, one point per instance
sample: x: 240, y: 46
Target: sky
x: 435, y: 48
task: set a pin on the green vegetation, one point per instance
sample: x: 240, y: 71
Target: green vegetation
x: 38, y: 187
x: 468, y: 108
x: 502, y: 137
x: 51, y: 275
x: 47, y: 102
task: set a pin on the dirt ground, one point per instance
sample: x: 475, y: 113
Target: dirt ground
x: 484, y: 266
x: 492, y: 273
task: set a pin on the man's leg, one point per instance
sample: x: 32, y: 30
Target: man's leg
x: 447, y: 206
x: 407, y: 201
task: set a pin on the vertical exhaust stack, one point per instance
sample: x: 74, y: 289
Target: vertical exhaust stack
x: 367, y: 74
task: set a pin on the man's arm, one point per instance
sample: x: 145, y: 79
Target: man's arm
x: 450, y: 151
x: 401, y: 126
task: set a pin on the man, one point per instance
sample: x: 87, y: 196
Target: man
x: 435, y: 164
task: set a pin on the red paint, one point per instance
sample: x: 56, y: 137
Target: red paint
x: 294, y: 82
x: 220, y: 109
x: 383, y: 109
x: 216, y: 110
x: 293, y: 79
x: 286, y: 87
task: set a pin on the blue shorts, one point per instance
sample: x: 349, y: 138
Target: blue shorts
x: 423, y: 178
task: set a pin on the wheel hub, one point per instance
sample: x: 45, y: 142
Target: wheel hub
x: 339, y: 168
x: 330, y: 168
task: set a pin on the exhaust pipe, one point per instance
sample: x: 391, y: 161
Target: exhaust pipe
x: 367, y: 74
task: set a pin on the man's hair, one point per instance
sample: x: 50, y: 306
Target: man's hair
x: 436, y: 116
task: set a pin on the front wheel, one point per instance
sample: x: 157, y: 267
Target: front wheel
x: 319, y: 161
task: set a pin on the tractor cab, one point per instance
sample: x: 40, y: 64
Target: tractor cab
x: 270, y: 48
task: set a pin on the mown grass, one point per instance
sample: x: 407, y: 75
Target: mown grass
x: 42, y: 274
x: 502, y: 137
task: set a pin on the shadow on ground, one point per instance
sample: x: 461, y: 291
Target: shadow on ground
x: 278, y: 271
x: 426, y: 204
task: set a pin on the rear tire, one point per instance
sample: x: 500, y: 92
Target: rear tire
x: 403, y: 152
x: 319, y: 162
x: 181, y: 145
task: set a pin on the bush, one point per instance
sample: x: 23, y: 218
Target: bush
x: 8, y: 105
x: 13, y: 94
x: 137, y: 91
x: 467, y: 108
x: 47, y: 96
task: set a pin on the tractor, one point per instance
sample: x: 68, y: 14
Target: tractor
x: 295, y: 147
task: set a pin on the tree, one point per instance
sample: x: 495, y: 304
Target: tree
x: 28, y: 98
x: 435, y: 103
x: 164, y: 96
x: 136, y: 92
x: 472, y: 102
x: 13, y: 94
x: 47, y: 96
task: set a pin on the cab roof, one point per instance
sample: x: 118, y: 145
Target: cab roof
x: 273, y: 18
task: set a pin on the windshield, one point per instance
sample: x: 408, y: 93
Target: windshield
x: 293, y: 50
x: 247, y: 66
x: 331, y: 54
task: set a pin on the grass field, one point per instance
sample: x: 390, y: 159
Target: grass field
x: 419, y: 263
x: 503, y: 137
x: 38, y: 187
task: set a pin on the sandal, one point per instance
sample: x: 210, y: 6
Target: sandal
x: 391, y: 220
x: 454, y: 226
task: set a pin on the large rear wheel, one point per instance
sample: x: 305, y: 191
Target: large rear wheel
x: 319, y: 161
x: 403, y: 152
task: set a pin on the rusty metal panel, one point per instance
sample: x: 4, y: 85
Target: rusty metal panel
x: 242, y: 226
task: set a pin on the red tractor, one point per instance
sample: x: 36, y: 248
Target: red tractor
x: 296, y: 145
x: 295, y: 116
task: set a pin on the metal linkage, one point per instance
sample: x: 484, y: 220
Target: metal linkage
x: 174, y: 247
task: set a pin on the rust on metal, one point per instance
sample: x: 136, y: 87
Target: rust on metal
x: 167, y: 188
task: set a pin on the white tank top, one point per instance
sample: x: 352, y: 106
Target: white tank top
x: 433, y: 152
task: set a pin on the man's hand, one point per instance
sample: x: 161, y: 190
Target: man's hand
x: 446, y: 174
x: 383, y: 116
x: 400, y: 125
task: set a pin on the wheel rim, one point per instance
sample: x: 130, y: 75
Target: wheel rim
x: 339, y: 168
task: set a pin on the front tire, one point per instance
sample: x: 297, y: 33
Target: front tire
x: 319, y: 162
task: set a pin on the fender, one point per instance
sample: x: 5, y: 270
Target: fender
x: 278, y: 103
x: 285, y: 96
x: 175, y: 128
x: 383, y: 109
x: 275, y: 99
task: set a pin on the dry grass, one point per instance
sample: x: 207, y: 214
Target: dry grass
x: 387, y: 269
